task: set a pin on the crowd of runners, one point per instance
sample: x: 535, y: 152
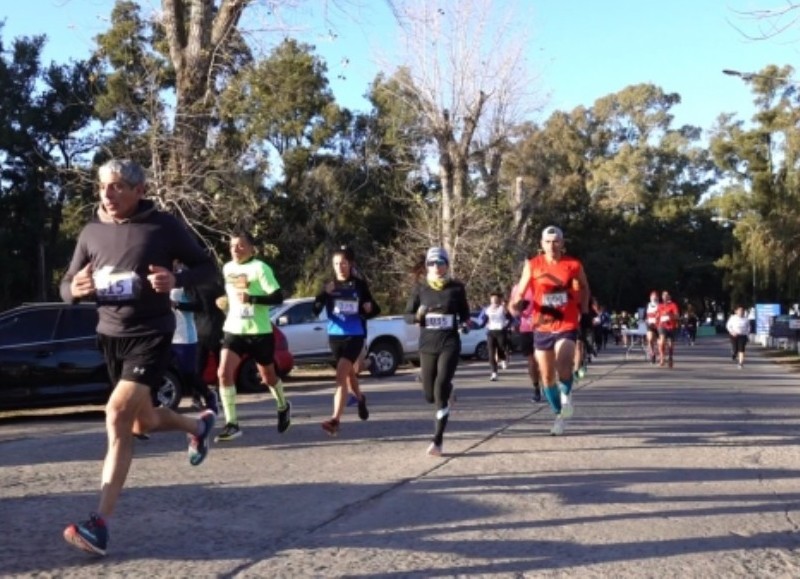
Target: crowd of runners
x: 156, y: 288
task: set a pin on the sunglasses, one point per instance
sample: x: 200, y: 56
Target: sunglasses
x: 438, y: 262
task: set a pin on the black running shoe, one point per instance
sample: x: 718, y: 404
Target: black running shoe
x: 363, y: 412
x: 537, y: 394
x: 285, y: 417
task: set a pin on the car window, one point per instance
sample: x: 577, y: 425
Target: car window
x: 28, y: 326
x: 77, y: 322
x: 301, y: 313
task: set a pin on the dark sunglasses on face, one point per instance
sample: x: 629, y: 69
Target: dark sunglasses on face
x: 438, y: 262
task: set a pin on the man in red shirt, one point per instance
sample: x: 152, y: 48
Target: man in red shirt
x: 668, y: 316
x: 560, y: 298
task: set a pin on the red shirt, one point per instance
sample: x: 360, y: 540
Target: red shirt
x: 556, y: 294
x: 668, y: 316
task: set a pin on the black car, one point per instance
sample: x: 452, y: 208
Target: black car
x: 49, y: 357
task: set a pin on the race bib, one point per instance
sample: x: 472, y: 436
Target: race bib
x: 665, y: 318
x: 555, y: 299
x: 346, y: 307
x: 118, y: 286
x: 439, y: 321
x: 246, y: 311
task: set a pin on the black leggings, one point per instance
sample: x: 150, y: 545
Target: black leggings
x: 436, y: 373
x: 496, y: 343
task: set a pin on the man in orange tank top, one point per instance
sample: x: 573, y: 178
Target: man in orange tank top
x: 560, y: 299
x: 668, y: 317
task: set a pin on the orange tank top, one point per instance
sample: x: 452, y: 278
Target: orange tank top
x: 556, y: 294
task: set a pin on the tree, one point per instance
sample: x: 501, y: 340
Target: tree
x: 466, y: 74
x: 42, y: 139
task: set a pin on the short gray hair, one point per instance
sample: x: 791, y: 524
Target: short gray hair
x: 130, y: 171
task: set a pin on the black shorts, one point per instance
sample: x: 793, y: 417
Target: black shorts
x: 347, y: 347
x: 260, y: 347
x: 140, y: 359
x: 526, y: 343
x: 668, y: 334
x: 547, y: 340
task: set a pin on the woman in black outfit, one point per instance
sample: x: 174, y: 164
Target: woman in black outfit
x: 439, y: 305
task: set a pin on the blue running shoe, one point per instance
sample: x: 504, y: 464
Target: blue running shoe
x: 199, y: 445
x: 352, y: 399
x: 90, y: 536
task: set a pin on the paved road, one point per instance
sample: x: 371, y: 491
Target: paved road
x: 689, y: 472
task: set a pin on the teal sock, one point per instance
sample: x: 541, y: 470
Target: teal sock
x: 553, y: 396
x: 566, y: 385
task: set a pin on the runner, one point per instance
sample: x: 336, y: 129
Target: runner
x: 738, y: 327
x: 495, y: 317
x: 439, y: 305
x: 668, y: 317
x: 186, y: 349
x: 250, y: 288
x: 123, y: 261
x: 560, y: 297
x: 347, y: 302
x: 651, y: 318
x: 525, y: 309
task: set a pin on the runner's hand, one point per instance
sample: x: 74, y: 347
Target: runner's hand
x: 161, y: 279
x: 82, y: 284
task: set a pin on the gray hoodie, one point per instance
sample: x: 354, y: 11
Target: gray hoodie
x: 121, y: 253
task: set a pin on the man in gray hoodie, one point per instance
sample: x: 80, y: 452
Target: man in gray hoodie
x: 123, y: 261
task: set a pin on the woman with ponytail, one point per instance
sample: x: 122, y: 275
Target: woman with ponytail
x: 438, y: 304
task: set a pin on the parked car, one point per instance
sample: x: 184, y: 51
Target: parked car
x: 473, y: 344
x: 247, y: 377
x: 389, y: 339
x: 49, y: 357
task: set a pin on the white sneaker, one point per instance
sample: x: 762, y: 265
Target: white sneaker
x: 567, y: 410
x: 493, y: 377
x: 503, y: 365
x: 558, y: 427
x: 434, y: 449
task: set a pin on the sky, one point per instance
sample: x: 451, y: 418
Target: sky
x: 581, y: 50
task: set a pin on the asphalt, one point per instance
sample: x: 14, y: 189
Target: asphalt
x: 684, y: 472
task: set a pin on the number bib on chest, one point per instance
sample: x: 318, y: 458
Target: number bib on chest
x: 555, y: 299
x: 346, y: 307
x: 116, y: 286
x: 439, y: 321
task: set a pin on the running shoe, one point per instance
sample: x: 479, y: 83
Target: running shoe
x: 558, y: 426
x: 363, y: 412
x: 141, y: 436
x: 434, y: 449
x: 537, y: 394
x: 90, y: 536
x: 503, y: 365
x: 331, y: 427
x: 230, y: 432
x: 581, y: 372
x: 567, y: 410
x: 493, y: 377
x: 741, y: 366
x: 352, y: 399
x: 200, y: 444
x: 285, y: 417
x: 212, y: 402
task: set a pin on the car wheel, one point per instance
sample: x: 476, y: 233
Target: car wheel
x: 248, y: 379
x: 170, y: 392
x: 482, y: 351
x: 385, y: 358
